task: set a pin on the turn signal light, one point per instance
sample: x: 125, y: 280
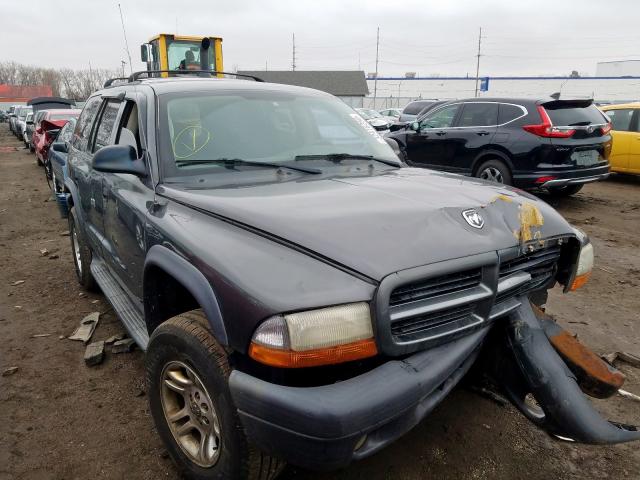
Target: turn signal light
x: 313, y: 358
x: 579, y: 281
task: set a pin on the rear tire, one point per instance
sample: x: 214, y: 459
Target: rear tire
x: 495, y: 171
x: 212, y: 443
x: 565, y: 191
x: 81, y: 254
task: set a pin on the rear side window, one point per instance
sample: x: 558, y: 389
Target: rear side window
x: 566, y: 115
x: 509, y: 113
x: 621, y: 119
x: 415, y: 108
x: 478, y: 115
x: 85, y: 122
x: 107, y: 124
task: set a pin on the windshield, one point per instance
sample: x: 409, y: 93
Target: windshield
x: 255, y: 125
x: 568, y: 115
x: 23, y: 113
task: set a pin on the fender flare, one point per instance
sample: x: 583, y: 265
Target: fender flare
x: 486, y: 154
x: 75, y: 196
x: 194, y: 281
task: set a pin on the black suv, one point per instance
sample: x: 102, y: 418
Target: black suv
x: 301, y: 295
x: 553, y: 144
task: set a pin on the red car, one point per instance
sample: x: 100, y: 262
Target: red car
x: 48, y: 126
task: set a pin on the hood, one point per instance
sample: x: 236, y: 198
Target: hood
x: 387, y: 222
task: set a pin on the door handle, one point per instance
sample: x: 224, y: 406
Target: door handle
x: 482, y: 133
x: 440, y: 134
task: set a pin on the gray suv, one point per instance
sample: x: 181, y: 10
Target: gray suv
x: 301, y: 294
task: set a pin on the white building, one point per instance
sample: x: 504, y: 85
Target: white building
x: 397, y: 91
x: 620, y: 68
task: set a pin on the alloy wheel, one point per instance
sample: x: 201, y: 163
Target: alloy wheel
x: 190, y: 414
x: 492, y: 174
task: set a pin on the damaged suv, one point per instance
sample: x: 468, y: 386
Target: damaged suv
x: 301, y: 294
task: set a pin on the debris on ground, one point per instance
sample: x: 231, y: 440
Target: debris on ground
x: 18, y: 307
x: 630, y: 395
x: 44, y: 252
x: 65, y: 234
x: 82, y: 294
x: 17, y: 282
x: 95, y: 301
x: 9, y: 371
x: 94, y: 354
x: 86, y: 328
x: 123, y: 346
x: 625, y: 357
x: 54, y: 256
x: 41, y: 335
x: 115, y: 338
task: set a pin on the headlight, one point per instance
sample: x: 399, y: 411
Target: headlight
x: 583, y: 267
x: 315, y: 337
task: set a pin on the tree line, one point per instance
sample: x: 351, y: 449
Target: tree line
x: 64, y: 82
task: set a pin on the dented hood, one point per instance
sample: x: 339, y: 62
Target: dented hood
x: 383, y: 223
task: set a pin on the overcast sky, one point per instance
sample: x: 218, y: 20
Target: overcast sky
x: 429, y: 37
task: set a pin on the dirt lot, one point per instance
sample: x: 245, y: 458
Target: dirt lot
x: 60, y: 419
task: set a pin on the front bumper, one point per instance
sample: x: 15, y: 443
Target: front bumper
x: 320, y: 427
x: 561, y: 178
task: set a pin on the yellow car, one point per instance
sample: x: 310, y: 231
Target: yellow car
x: 625, y: 151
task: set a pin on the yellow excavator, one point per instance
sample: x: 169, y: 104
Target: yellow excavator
x: 181, y: 52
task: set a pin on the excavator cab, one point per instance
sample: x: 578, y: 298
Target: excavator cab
x: 177, y: 52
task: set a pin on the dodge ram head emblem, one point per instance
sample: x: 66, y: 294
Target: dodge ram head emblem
x: 473, y: 218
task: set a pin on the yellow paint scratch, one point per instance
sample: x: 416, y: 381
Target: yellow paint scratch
x: 530, y: 217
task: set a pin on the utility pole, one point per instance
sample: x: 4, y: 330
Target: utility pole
x: 123, y: 64
x: 293, y: 57
x: 375, y: 81
x: 478, y: 61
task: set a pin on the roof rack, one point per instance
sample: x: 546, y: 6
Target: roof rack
x: 136, y: 75
x: 109, y: 82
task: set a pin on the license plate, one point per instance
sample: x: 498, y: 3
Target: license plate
x: 585, y: 157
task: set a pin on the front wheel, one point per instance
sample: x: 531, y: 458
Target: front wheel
x: 191, y: 404
x: 495, y: 171
x: 81, y: 253
x: 565, y: 191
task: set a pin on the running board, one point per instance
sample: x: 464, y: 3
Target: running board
x: 126, y: 310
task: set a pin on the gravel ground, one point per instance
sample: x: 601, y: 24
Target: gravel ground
x: 62, y: 420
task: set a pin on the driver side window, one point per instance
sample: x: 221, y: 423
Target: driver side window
x: 442, y: 118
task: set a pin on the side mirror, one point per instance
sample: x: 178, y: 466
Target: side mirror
x: 415, y: 126
x: 119, y: 159
x: 60, y: 147
x: 144, y: 52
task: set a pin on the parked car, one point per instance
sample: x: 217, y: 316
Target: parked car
x: 50, y: 123
x: 625, y: 131
x: 556, y: 145
x: 374, y: 119
x: 301, y: 295
x: 56, y: 165
x: 37, y: 117
x: 399, y: 125
x: 13, y: 114
x: 414, y: 109
x: 28, y: 130
x: 21, y: 122
x: 393, y: 113
x: 4, y: 116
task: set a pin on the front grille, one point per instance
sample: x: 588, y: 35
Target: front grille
x: 434, y: 287
x: 433, y: 325
x: 541, y: 265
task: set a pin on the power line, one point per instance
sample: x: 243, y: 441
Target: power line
x: 126, y: 44
x: 375, y: 82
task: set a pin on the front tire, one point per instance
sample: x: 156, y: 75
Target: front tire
x: 81, y: 254
x: 191, y: 404
x: 495, y: 171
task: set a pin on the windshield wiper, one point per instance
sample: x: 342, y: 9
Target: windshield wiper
x: 231, y: 162
x: 338, y: 157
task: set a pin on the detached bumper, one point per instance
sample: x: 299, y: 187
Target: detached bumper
x: 320, y: 427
